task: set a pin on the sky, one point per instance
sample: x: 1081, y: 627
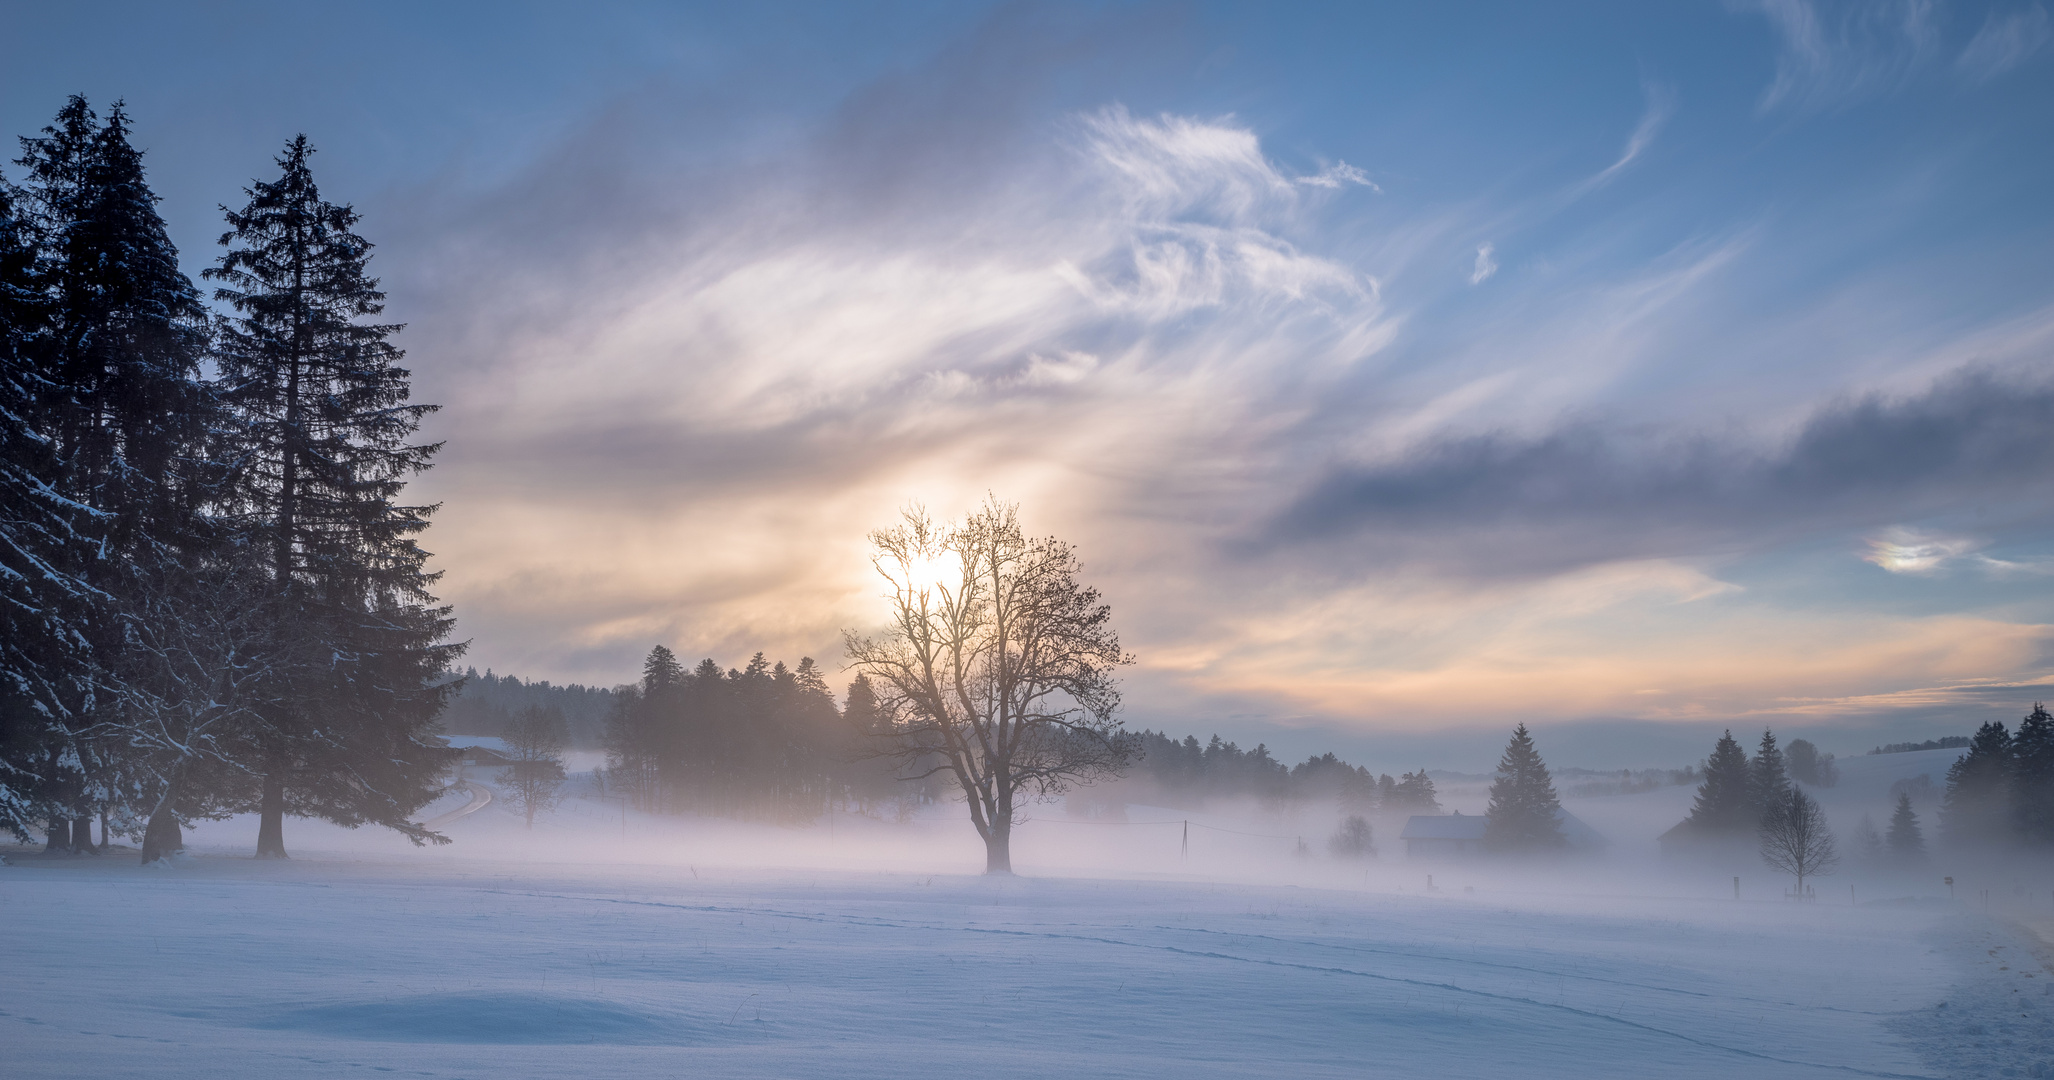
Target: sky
x: 1401, y: 372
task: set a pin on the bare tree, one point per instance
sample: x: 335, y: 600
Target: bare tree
x: 535, y: 740
x: 1795, y: 838
x: 998, y: 665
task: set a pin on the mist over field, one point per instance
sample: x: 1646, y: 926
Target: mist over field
x: 1028, y: 539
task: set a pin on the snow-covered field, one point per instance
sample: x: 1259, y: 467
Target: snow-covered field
x: 699, y: 949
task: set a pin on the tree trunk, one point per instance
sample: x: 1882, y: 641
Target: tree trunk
x: 60, y: 837
x: 106, y: 834
x: 162, y: 837
x: 271, y: 820
x: 998, y: 846
x: 82, y: 835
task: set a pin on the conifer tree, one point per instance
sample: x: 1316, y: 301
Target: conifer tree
x: 45, y: 665
x: 123, y: 403
x: 1976, y: 808
x: 1415, y: 793
x: 1524, y: 812
x: 322, y: 447
x: 1768, y: 782
x: 1905, y: 838
x: 1724, y: 803
x: 2032, y: 778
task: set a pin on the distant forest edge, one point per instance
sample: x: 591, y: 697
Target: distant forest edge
x: 676, y: 735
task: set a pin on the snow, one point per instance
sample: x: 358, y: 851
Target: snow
x: 861, y: 948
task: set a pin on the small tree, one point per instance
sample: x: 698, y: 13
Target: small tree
x: 998, y: 661
x: 1524, y: 812
x: 1768, y: 782
x: 1808, y: 766
x: 1353, y: 840
x: 1414, y: 793
x: 535, y: 740
x: 1723, y: 805
x: 1795, y: 838
x: 1868, y: 842
x: 1906, y: 840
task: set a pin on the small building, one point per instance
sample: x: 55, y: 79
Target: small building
x: 1442, y: 835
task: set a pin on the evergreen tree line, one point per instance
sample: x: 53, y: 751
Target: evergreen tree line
x: 1740, y: 795
x: 211, y: 595
x: 2002, y: 790
x: 485, y: 704
x: 1186, y: 774
x: 761, y: 741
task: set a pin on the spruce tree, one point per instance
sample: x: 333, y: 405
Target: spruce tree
x: 46, y: 670
x: 124, y: 406
x: 1768, y: 783
x: 1724, y: 803
x: 322, y: 447
x: 1905, y: 839
x: 1977, y: 806
x: 1524, y: 812
x: 2032, y: 778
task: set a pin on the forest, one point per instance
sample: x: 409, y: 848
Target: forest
x: 212, y: 597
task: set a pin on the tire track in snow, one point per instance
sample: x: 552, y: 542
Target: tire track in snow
x: 1514, y: 999
x: 1600, y: 980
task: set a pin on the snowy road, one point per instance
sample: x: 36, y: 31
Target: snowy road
x: 312, y: 968
x: 481, y: 797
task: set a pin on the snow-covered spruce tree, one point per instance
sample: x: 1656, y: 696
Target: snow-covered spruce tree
x: 46, y: 670
x: 1768, y: 783
x: 1976, y: 809
x: 1795, y: 838
x: 1523, y: 812
x: 1905, y: 839
x: 2032, y: 778
x: 120, y: 380
x: 322, y: 452
x: 1723, y: 804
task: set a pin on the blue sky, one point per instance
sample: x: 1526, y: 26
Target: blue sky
x: 1399, y: 369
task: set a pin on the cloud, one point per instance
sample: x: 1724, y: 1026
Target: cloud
x: 1588, y: 492
x: 1339, y: 175
x: 1909, y: 551
x: 1661, y: 101
x: 2005, y: 42
x: 1833, y: 53
x: 1486, y: 264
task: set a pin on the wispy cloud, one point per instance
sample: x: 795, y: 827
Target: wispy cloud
x: 1486, y: 264
x: 1910, y: 551
x: 1338, y: 175
x: 1661, y: 102
x: 2005, y: 41
x: 1833, y: 53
